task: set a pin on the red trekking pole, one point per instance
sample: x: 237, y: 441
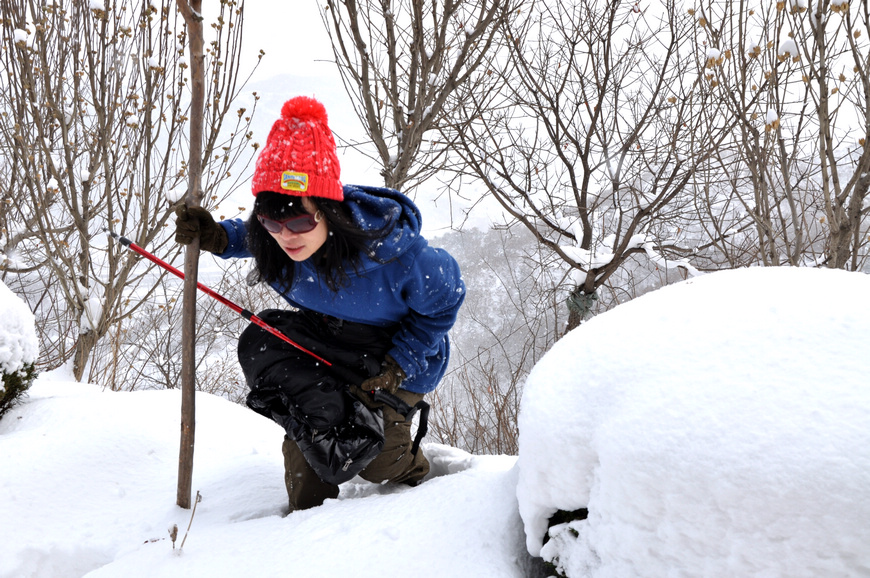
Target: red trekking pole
x: 378, y: 395
x: 238, y: 309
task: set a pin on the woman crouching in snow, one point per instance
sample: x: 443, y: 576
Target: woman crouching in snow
x: 368, y: 295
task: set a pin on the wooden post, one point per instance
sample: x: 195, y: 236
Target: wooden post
x: 191, y: 10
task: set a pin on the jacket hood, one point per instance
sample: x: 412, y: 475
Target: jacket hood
x: 376, y: 208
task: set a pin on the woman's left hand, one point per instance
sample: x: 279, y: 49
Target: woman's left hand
x: 389, y: 379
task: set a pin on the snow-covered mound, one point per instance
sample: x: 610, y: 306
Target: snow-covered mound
x: 718, y: 427
x: 18, y: 343
x: 88, y: 488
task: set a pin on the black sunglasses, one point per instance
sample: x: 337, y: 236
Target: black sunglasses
x: 299, y: 225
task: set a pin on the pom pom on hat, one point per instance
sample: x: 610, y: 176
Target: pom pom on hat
x: 303, y: 108
x: 299, y: 157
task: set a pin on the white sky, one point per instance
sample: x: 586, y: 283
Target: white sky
x: 291, y: 34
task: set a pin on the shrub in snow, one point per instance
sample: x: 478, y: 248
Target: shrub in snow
x: 18, y: 348
x: 718, y: 427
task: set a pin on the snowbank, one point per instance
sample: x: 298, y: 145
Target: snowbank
x: 719, y: 427
x: 18, y: 343
x: 88, y: 482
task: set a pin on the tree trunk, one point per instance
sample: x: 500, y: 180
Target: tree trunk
x: 84, y: 346
x: 192, y: 12
x: 574, y: 320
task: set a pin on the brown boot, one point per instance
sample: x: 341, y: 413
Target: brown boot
x: 304, y: 489
x: 396, y: 463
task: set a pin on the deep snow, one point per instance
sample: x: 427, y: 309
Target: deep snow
x: 88, y: 487
x: 718, y: 427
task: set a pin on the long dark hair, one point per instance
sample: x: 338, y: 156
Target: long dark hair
x: 344, y: 247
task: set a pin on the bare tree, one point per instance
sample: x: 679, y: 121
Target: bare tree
x: 595, y: 137
x: 796, y: 77
x: 191, y: 10
x: 93, y: 115
x: 402, y: 63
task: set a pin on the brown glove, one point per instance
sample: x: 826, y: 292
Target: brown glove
x: 389, y: 379
x: 193, y: 222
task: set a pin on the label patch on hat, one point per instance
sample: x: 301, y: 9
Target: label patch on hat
x: 291, y: 181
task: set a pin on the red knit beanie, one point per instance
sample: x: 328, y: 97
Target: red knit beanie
x: 299, y: 157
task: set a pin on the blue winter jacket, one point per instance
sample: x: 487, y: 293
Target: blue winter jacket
x: 408, y: 284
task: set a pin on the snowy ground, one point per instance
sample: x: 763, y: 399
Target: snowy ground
x: 717, y: 427
x: 87, y: 487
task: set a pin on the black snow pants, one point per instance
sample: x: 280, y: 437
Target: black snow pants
x: 336, y: 434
